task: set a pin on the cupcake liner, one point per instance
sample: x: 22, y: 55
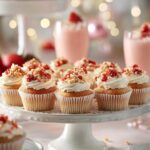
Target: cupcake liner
x: 74, y: 105
x: 10, y: 97
x: 113, y: 102
x: 15, y: 145
x: 38, y: 102
x: 140, y: 96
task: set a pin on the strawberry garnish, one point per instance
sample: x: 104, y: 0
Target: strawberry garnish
x: 74, y: 17
x: 145, y: 30
x: 48, y: 46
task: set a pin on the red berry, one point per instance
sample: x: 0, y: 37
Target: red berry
x: 112, y: 72
x: 145, y: 30
x: 31, y: 77
x: 48, y: 46
x: 135, y: 66
x: 112, y: 65
x: 92, y: 62
x: 46, y: 67
x: 137, y: 71
x: 9, y: 59
x: 74, y: 17
x: 104, y: 78
x: 3, y: 119
x: 80, y: 77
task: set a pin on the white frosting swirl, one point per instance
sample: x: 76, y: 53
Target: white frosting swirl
x: 4, y: 128
x: 113, y: 83
x: 139, y: 79
x: 38, y: 85
x: 4, y: 80
x: 73, y: 87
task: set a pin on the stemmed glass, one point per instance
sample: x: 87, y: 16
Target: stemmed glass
x: 137, y: 51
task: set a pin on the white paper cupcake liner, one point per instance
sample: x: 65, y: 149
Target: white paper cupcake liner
x: 10, y: 97
x: 15, y: 145
x: 140, y: 96
x: 74, y: 105
x: 38, y: 102
x: 113, y: 102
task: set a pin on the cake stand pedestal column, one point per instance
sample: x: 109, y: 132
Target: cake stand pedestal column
x: 77, y: 137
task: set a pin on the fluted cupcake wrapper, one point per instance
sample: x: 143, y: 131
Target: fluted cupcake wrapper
x: 74, y: 105
x: 140, y: 96
x: 15, y: 145
x: 10, y: 97
x: 111, y: 102
x: 38, y: 102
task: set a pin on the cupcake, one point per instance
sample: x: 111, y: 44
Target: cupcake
x: 31, y: 64
x: 12, y: 136
x: 139, y: 82
x: 112, y: 91
x: 37, y: 90
x: 90, y: 67
x: 60, y: 66
x: 10, y: 81
x: 107, y: 65
x: 74, y: 94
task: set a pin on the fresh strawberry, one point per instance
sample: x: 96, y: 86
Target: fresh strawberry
x: 74, y: 17
x: 9, y: 59
x: 145, y: 30
x: 48, y: 46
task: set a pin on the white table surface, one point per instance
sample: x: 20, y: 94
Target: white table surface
x: 117, y: 132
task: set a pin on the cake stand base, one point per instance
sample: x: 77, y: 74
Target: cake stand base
x: 77, y: 137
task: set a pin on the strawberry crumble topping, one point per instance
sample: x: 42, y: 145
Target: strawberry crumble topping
x: 31, y: 64
x: 135, y: 69
x: 60, y: 61
x: 14, y: 71
x: 87, y: 64
x: 73, y: 77
x: 39, y: 74
x: 109, y: 73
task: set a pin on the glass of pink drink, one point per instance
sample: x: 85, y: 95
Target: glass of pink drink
x: 137, y: 47
x: 71, y: 38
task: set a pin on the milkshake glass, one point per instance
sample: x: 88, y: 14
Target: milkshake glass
x: 137, y: 50
x: 71, y: 40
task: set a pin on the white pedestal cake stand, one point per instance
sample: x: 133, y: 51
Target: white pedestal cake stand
x: 77, y: 134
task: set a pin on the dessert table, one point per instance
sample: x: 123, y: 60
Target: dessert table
x: 112, y: 132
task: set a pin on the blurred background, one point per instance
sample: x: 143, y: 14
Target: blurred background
x: 110, y: 18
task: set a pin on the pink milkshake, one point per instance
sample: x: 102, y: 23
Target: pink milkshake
x: 71, y: 38
x: 137, y: 47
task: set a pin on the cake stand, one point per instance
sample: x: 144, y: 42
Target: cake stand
x: 24, y: 8
x: 77, y: 134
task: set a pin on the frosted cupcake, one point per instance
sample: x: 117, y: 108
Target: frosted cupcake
x: 31, y: 64
x: 90, y: 67
x: 37, y: 90
x: 60, y: 66
x: 112, y: 91
x: 139, y: 82
x: 12, y: 136
x: 10, y: 81
x: 74, y: 94
x: 107, y: 65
